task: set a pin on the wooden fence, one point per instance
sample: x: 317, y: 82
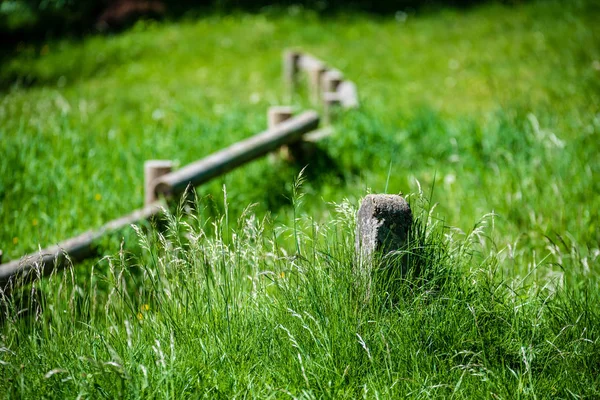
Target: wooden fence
x: 326, y: 85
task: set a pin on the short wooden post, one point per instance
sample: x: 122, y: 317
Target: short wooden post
x: 275, y: 116
x: 290, y: 71
x: 278, y: 114
x: 315, y: 74
x: 382, y: 227
x: 348, y: 94
x: 154, y: 169
x: 1, y: 254
x: 383, y: 224
x: 331, y: 80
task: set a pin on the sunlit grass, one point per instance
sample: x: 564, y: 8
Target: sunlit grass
x: 494, y: 110
x: 434, y: 87
x: 232, y: 313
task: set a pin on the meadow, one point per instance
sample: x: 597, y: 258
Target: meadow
x: 487, y: 117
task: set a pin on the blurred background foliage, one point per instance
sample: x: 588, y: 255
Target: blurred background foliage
x: 42, y: 19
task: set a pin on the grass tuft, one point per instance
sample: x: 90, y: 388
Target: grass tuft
x: 237, y: 313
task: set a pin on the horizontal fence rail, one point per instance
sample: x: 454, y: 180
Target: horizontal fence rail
x: 285, y: 132
x: 166, y: 183
x: 75, y: 249
x: 326, y: 84
x: 216, y: 164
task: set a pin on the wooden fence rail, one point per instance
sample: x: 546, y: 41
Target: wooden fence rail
x: 326, y: 84
x: 75, y: 249
x: 216, y: 164
x: 167, y: 183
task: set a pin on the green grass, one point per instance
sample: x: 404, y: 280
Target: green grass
x: 494, y: 109
x: 234, y: 314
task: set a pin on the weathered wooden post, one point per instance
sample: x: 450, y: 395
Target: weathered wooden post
x: 315, y: 74
x: 275, y: 116
x: 384, y: 221
x: 278, y: 114
x: 159, y: 180
x: 154, y: 169
x: 348, y: 94
x: 315, y: 69
x: 291, y: 59
x: 331, y: 79
x: 383, y: 225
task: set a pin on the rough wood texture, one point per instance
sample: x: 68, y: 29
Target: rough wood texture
x: 76, y: 249
x: 383, y: 224
x: 154, y: 169
x: 216, y: 164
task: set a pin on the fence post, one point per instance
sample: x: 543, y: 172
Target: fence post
x: 348, y: 94
x: 315, y: 74
x: 331, y: 80
x: 290, y: 71
x: 382, y: 225
x: 275, y: 116
x: 154, y: 169
x: 278, y: 114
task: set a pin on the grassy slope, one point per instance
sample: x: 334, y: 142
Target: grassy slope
x: 446, y: 94
x: 499, y: 104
